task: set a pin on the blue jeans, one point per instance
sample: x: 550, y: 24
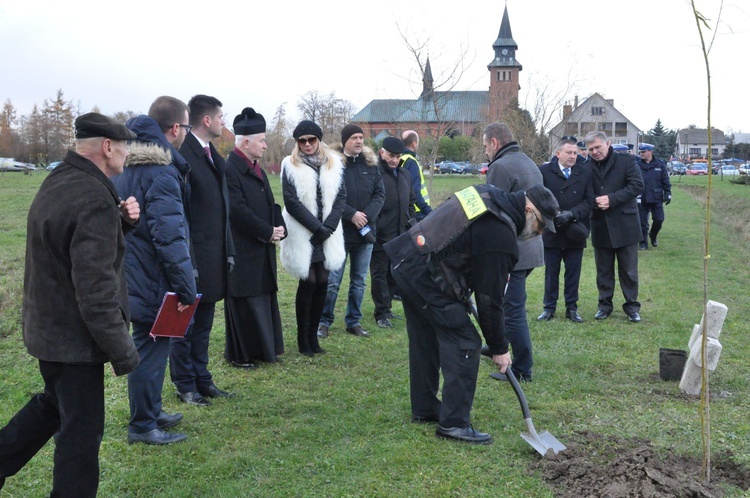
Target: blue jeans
x: 516, y: 325
x: 359, y: 256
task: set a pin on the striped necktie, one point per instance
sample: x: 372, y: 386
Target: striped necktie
x: 566, y: 172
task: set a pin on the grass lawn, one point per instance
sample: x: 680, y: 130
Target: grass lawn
x: 338, y: 424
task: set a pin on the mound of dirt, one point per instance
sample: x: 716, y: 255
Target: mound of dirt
x: 595, y: 466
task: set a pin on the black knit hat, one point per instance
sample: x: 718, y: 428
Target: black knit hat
x: 249, y: 122
x: 349, y: 130
x: 307, y: 128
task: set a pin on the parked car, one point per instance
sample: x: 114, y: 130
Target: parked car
x: 697, y: 169
x: 451, y: 169
x: 53, y: 165
x: 728, y: 169
x: 676, y: 168
x: 744, y: 169
x: 484, y: 169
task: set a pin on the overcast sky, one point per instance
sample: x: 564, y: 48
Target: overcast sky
x: 644, y: 54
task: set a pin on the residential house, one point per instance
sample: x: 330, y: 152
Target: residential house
x: 692, y: 143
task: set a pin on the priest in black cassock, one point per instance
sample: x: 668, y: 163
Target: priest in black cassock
x: 253, y: 328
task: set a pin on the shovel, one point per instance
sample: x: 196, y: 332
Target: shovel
x: 542, y: 442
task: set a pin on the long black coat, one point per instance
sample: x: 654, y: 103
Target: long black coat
x: 209, y: 218
x: 574, y: 194
x: 253, y: 214
x: 619, y: 177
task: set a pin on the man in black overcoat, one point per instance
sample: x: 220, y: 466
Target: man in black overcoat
x: 568, y: 177
x: 253, y: 322
x: 615, y: 224
x: 212, y: 250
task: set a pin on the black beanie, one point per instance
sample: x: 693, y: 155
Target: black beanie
x: 349, y: 130
x: 307, y: 128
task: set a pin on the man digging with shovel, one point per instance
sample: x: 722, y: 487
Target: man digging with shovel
x: 466, y: 245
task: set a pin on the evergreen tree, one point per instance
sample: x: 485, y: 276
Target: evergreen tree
x: 663, y: 140
x: 9, y: 138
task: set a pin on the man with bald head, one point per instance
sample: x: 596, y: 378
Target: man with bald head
x: 75, y: 307
x: 409, y: 163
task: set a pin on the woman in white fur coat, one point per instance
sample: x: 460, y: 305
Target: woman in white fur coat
x: 312, y: 182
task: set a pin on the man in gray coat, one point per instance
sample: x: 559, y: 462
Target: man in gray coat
x: 75, y: 307
x: 513, y: 171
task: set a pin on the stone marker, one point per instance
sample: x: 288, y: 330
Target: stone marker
x: 714, y: 318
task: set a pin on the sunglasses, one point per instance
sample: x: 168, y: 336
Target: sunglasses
x: 304, y: 141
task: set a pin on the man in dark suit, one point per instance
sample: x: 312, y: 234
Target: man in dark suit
x: 568, y: 177
x: 615, y: 224
x: 213, y: 251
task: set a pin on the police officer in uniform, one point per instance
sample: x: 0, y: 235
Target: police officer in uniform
x: 657, y: 191
x: 467, y: 245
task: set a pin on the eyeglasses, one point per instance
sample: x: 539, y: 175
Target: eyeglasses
x: 541, y: 223
x: 304, y: 141
x: 187, y: 127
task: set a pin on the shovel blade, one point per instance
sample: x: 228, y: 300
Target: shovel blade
x: 544, y: 442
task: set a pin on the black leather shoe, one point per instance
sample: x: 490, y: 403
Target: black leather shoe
x: 246, y: 366
x: 464, y: 434
x: 546, y: 316
x: 214, y: 392
x: 322, y: 331
x: 654, y: 242
x: 165, y: 420
x: 358, y: 331
x: 391, y: 316
x: 486, y: 351
x: 193, y: 398
x: 642, y: 246
x: 634, y: 317
x: 385, y: 323
x: 157, y: 436
x: 601, y: 315
x: 573, y: 316
x: 432, y: 419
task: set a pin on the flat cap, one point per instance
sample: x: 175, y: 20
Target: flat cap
x: 93, y: 124
x: 393, y: 145
x: 643, y: 147
x: 546, y: 203
x: 249, y: 122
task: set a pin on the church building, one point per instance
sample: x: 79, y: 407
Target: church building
x: 449, y: 113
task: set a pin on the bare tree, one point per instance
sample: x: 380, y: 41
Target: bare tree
x: 328, y: 111
x: 435, y: 101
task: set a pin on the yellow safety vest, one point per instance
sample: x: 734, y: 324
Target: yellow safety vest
x: 422, y: 185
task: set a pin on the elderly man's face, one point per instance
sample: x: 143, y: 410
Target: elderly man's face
x: 256, y: 146
x: 598, y: 149
x: 390, y: 158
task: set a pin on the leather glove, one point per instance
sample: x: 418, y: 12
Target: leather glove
x: 230, y: 263
x: 563, y: 219
x: 669, y: 199
x: 320, y: 235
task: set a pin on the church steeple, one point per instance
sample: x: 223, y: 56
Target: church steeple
x: 427, y: 81
x: 504, y: 69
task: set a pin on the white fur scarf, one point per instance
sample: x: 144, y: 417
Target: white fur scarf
x: 296, y: 249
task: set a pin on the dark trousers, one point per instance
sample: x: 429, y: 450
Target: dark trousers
x: 627, y: 271
x: 442, y: 338
x: 516, y: 324
x: 145, y: 383
x: 188, y: 356
x: 72, y: 407
x: 382, y: 284
x: 657, y: 216
x: 553, y: 258
x: 309, y: 302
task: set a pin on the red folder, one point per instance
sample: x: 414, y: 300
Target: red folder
x: 170, y: 322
